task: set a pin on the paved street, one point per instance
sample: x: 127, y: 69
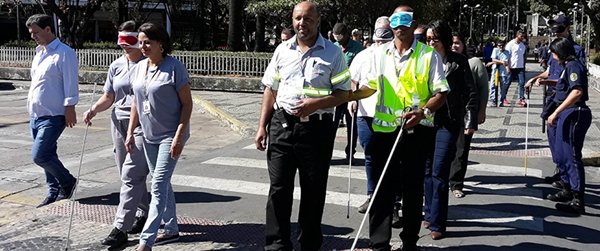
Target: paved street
x: 221, y: 184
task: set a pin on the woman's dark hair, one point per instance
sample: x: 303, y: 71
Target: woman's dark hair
x: 443, y: 31
x: 157, y: 32
x: 128, y: 26
x: 563, y: 49
x: 462, y: 40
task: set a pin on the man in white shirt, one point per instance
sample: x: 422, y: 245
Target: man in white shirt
x: 51, y: 104
x: 516, y: 48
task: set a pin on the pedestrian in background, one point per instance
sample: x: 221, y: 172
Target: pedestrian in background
x: 500, y: 66
x: 132, y: 211
x: 517, y: 49
x: 162, y: 105
x: 350, y: 48
x: 458, y: 168
x: 305, y: 79
x: 571, y: 118
x: 463, y: 95
x: 356, y: 36
x: 51, y: 101
x: 404, y: 64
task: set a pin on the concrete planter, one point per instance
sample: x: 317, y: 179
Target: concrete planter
x: 198, y: 82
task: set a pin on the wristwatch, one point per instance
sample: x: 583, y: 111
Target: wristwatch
x: 427, y: 112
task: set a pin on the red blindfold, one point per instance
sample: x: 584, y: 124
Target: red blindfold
x: 128, y: 39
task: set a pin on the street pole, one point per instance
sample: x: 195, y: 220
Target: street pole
x: 497, y: 24
x: 471, y: 27
x: 587, y: 50
x: 18, y: 25
x: 575, y: 23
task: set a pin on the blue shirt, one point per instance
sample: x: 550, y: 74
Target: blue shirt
x: 487, y: 53
x: 160, y: 86
x: 555, y: 69
x: 502, y: 56
x: 54, y: 80
x: 575, y: 74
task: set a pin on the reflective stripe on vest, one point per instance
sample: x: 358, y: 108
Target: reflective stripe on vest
x: 395, y: 96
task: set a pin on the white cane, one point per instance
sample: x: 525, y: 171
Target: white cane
x: 351, y: 139
x: 78, y: 173
x: 387, y: 163
x: 526, y: 132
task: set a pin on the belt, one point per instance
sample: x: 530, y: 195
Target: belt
x: 314, y: 117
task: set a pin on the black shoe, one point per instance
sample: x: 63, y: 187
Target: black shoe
x: 48, y: 200
x: 558, y: 184
x: 409, y: 247
x: 138, y: 225
x: 553, y: 178
x: 67, y: 192
x: 562, y: 196
x: 363, y: 208
x: 575, y: 206
x: 115, y: 238
x: 396, y: 220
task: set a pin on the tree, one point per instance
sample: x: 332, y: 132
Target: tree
x: 73, y: 19
x: 235, y: 34
x: 551, y: 7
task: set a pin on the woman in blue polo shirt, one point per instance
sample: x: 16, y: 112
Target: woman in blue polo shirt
x: 571, y: 117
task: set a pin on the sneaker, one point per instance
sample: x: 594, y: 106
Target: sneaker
x: 164, y: 239
x: 506, y: 101
x: 492, y: 104
x: 115, y: 238
x: 522, y: 103
x: 138, y: 225
x: 501, y: 105
x: 363, y: 208
x: 47, y: 201
x: 67, y: 192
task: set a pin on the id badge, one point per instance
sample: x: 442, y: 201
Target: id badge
x: 146, y: 107
x: 304, y: 119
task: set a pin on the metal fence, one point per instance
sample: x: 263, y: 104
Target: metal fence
x: 197, y: 62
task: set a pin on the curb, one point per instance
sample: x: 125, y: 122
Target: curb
x: 233, y: 123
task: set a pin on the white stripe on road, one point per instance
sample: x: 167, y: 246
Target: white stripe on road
x: 358, y: 173
x: 337, y: 154
x: 504, y: 189
x: 72, y: 163
x: 247, y: 187
x: 16, y: 141
x: 520, y: 171
x: 500, y: 219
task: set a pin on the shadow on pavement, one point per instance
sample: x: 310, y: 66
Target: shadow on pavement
x: 509, y: 143
x: 527, y: 246
x: 180, y: 197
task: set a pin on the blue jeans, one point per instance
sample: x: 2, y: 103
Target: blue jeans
x: 520, y: 74
x: 504, y: 83
x: 437, y: 173
x: 365, y: 136
x: 45, y: 132
x: 162, y: 204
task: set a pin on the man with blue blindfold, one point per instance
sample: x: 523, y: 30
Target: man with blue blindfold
x: 410, y: 83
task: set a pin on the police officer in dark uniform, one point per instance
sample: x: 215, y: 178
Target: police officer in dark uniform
x: 560, y: 26
x: 570, y: 117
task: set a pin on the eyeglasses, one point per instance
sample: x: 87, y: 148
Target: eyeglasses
x: 434, y: 39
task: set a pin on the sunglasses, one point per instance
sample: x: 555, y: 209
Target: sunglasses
x: 434, y: 39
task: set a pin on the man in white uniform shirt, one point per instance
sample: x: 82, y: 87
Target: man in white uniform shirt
x: 51, y: 104
x: 516, y: 48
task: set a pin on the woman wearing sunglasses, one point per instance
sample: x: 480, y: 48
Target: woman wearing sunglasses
x: 451, y: 119
x: 480, y: 76
x: 133, y: 201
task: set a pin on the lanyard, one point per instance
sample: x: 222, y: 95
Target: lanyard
x: 148, y: 81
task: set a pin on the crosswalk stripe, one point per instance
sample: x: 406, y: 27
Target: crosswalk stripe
x: 499, y: 219
x: 256, y: 188
x: 262, y: 164
x: 505, y: 169
x: 338, y: 154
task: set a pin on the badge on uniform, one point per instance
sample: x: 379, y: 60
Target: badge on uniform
x: 574, y: 77
x: 146, y: 105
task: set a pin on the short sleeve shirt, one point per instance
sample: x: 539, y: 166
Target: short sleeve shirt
x: 296, y: 75
x: 352, y: 49
x: 160, y: 87
x: 119, y: 83
x: 502, y: 56
x: 358, y: 69
x: 517, y: 54
x: 555, y: 69
x: 574, y: 75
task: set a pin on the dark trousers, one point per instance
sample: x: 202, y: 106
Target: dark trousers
x: 551, y: 133
x: 571, y: 127
x: 406, y: 169
x: 306, y: 147
x: 458, y: 169
x: 342, y: 110
x: 437, y: 172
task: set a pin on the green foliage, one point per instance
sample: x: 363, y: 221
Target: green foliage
x: 596, y: 59
x: 24, y: 43
x: 101, y: 45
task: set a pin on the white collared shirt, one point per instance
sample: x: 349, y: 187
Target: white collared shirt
x: 54, y: 80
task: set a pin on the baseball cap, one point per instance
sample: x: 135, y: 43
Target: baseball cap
x: 355, y: 31
x: 560, y: 19
x: 402, y: 18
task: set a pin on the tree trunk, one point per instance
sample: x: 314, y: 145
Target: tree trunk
x: 259, y: 35
x: 213, y: 24
x: 235, y: 33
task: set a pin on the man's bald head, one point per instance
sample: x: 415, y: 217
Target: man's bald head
x: 307, y: 6
x: 404, y: 8
x: 306, y: 20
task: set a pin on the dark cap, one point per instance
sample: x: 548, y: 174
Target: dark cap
x: 560, y: 19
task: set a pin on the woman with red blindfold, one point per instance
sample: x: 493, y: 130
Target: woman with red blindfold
x: 133, y: 203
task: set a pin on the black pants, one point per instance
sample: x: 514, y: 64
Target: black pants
x: 406, y: 169
x: 306, y: 147
x: 458, y: 169
x: 342, y: 111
